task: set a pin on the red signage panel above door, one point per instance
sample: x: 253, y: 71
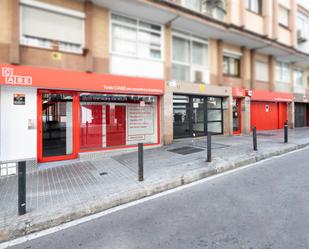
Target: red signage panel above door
x: 259, y: 95
x: 81, y: 81
x: 238, y: 92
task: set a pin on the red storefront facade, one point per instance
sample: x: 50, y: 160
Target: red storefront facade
x: 82, y: 112
x: 269, y: 110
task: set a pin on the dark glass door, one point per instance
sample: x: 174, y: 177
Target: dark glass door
x: 181, y: 112
x: 198, y: 117
x: 236, y: 116
x: 56, y: 126
x: 300, y: 115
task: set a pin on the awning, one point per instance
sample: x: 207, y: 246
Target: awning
x: 80, y: 81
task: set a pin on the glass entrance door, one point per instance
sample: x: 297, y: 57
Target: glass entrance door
x: 181, y: 109
x: 56, y: 123
x: 236, y: 116
x: 195, y: 116
x: 198, y: 117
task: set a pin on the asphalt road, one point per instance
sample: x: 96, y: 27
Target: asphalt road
x: 265, y: 206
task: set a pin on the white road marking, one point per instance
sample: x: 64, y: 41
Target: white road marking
x: 131, y: 204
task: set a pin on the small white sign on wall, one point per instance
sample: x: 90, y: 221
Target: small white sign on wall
x: 266, y: 108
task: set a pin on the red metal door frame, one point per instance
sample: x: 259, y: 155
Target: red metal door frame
x: 75, y: 123
x: 238, y: 100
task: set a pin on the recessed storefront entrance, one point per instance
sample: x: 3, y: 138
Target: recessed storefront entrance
x: 301, y: 115
x: 197, y: 115
x: 57, y: 113
x: 237, y: 116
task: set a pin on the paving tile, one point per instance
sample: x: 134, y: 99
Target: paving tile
x: 53, y: 189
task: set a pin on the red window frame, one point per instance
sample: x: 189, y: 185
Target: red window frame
x: 75, y: 137
x: 76, y: 127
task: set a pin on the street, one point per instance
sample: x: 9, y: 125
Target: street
x: 265, y: 206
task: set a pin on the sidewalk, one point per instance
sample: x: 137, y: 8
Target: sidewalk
x: 59, y: 194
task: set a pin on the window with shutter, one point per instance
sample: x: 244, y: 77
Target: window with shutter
x: 45, y: 25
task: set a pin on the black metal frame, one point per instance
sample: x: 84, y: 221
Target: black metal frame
x: 190, y: 114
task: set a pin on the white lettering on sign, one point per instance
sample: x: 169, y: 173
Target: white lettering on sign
x: 123, y: 88
x: 283, y: 99
x: 10, y: 78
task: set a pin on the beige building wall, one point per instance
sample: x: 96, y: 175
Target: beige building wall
x: 96, y: 53
x: 5, y: 30
x: 100, y: 39
x: 254, y: 22
x: 235, y: 12
x: 213, y: 62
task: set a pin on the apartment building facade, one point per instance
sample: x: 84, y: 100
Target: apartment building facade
x: 79, y: 77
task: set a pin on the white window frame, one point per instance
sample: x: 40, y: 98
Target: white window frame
x: 138, y: 20
x: 198, y: 10
x: 214, y: 13
x: 302, y: 24
x: 285, y: 23
x: 299, y: 85
x: 50, y: 8
x: 233, y: 55
x: 281, y: 66
x: 191, y: 38
x: 262, y: 79
x: 250, y: 6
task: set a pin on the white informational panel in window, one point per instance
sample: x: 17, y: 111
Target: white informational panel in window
x: 141, y: 123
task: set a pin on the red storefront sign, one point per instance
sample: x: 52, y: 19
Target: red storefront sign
x: 259, y: 95
x: 238, y: 93
x: 80, y: 81
x: 269, y: 109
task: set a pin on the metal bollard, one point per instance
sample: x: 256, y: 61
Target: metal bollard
x: 254, y: 139
x: 286, y: 132
x: 21, y: 188
x: 208, y: 147
x: 140, y: 162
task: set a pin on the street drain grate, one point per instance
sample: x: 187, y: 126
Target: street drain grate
x: 103, y: 173
x: 265, y: 134
x: 203, y: 144
x: 185, y: 150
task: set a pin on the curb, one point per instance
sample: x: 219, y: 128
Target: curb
x: 29, y: 225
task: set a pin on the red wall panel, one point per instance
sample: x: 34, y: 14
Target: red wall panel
x: 283, y: 116
x: 91, y: 130
x: 115, y: 125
